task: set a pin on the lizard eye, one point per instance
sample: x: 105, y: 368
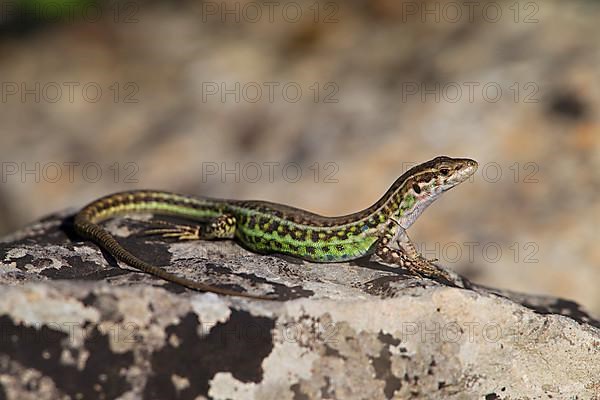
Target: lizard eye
x: 416, y: 188
x: 444, y: 171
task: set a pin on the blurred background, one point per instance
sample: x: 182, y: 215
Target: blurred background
x: 320, y: 105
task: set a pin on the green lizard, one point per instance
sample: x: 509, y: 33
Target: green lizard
x: 265, y: 227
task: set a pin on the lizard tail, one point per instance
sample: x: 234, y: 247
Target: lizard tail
x: 90, y: 230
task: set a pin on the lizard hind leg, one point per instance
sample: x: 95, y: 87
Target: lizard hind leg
x: 170, y: 230
x: 221, y: 227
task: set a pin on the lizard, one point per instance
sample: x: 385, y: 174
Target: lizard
x: 266, y: 228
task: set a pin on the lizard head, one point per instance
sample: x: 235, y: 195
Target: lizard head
x: 449, y: 172
x: 426, y: 182
x: 438, y: 175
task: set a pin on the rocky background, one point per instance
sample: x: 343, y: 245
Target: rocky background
x: 177, y: 96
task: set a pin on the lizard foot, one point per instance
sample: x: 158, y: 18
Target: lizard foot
x: 170, y: 230
x: 418, y: 265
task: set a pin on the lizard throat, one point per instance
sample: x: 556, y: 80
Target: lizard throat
x: 413, y: 206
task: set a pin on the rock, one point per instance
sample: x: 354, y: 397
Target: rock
x: 77, y: 325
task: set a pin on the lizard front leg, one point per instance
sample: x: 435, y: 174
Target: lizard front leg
x: 396, y: 237
x: 418, y: 266
x: 395, y: 247
x: 409, y: 247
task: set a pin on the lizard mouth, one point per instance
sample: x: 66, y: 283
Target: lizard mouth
x: 471, y: 168
x: 466, y: 171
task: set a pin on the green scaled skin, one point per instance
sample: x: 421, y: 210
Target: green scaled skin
x: 265, y: 227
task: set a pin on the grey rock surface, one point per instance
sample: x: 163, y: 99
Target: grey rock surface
x: 75, y: 324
